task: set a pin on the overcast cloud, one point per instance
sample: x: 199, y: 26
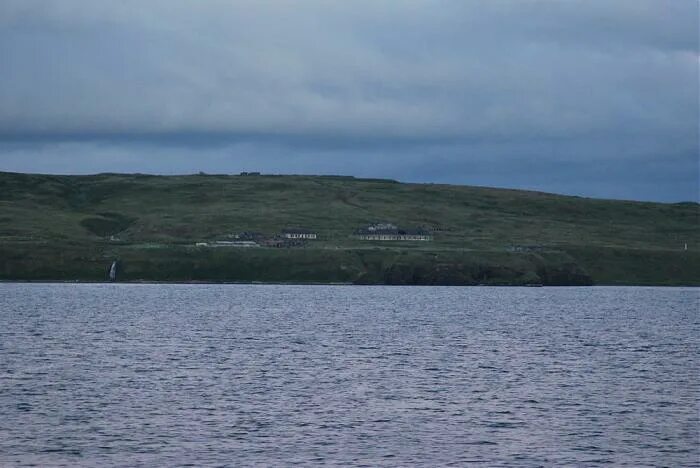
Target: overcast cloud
x: 587, y: 97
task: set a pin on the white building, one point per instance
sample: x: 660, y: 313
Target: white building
x: 298, y: 234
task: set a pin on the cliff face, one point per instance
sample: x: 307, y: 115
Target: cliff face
x: 294, y: 266
x: 453, y: 274
x: 90, y: 263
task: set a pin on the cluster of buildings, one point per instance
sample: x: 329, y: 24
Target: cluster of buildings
x: 297, y: 237
x: 286, y: 238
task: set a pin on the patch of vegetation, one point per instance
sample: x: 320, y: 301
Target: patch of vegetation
x: 107, y: 224
x: 53, y: 222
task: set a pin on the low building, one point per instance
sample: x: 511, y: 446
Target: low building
x: 390, y: 232
x: 382, y: 227
x: 283, y: 242
x: 299, y: 234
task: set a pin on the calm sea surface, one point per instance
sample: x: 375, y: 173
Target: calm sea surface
x: 239, y: 375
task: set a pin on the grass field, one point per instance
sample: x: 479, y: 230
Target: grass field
x: 71, y: 227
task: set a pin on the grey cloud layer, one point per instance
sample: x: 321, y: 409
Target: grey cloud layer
x: 319, y: 73
x: 433, y: 68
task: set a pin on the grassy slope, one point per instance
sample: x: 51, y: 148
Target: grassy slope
x: 55, y: 227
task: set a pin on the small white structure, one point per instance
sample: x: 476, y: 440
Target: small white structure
x: 235, y: 244
x: 298, y: 234
x: 113, y: 271
x: 227, y: 244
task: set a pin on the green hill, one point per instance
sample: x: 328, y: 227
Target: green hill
x: 72, y: 227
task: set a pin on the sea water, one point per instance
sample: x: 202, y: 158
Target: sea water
x: 264, y: 375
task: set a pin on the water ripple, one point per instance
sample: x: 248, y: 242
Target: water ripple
x: 207, y: 375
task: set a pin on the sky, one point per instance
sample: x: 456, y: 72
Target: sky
x: 595, y: 98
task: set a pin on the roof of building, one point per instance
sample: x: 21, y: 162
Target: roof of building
x: 392, y: 232
x: 381, y: 226
x: 297, y: 231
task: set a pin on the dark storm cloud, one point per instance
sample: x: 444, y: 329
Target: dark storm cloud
x: 436, y: 90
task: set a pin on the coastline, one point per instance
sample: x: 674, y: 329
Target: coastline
x: 75, y: 228
x: 317, y: 283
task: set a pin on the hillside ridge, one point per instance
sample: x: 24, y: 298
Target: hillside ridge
x: 480, y: 235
